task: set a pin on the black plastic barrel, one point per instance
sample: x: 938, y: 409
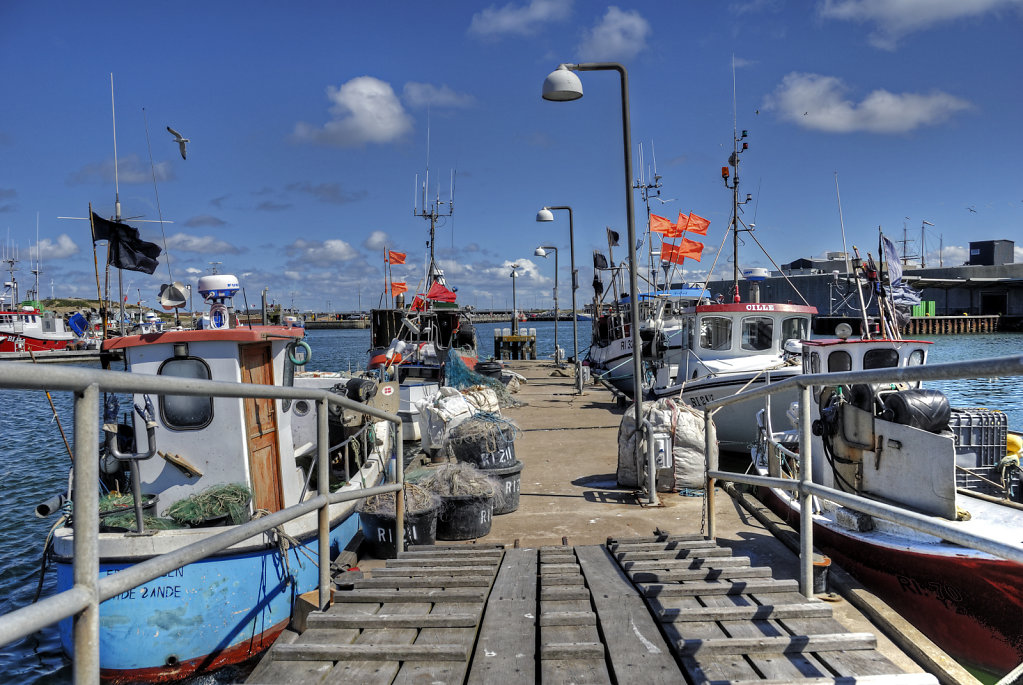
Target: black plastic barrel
x: 510, y: 480
x: 378, y: 531
x: 465, y: 517
x: 491, y: 450
x: 489, y: 369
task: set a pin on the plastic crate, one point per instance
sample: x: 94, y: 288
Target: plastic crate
x: 981, y: 433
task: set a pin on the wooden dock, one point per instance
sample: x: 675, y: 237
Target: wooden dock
x: 663, y: 609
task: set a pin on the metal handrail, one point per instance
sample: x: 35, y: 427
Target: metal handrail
x: 804, y: 486
x: 83, y: 598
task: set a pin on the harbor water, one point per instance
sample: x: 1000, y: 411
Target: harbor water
x: 34, y: 464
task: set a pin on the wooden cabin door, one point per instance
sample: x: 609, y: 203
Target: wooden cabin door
x: 261, y: 430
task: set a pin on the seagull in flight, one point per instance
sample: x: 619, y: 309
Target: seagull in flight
x: 179, y: 140
x: 972, y: 209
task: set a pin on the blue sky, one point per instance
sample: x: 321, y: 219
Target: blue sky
x: 308, y: 125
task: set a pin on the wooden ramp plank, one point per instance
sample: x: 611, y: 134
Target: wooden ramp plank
x: 438, y: 671
x: 370, y: 672
x: 637, y: 649
x: 506, y: 644
x: 682, y: 564
x: 707, y: 574
x: 738, y: 587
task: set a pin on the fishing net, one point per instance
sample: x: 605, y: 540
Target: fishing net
x: 218, y: 504
x: 458, y: 375
x: 417, y: 500
x: 462, y: 480
x: 117, y: 512
x: 490, y: 432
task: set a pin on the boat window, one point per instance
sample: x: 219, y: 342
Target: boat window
x: 916, y: 358
x: 715, y: 333
x: 839, y: 361
x: 796, y: 327
x: 757, y: 332
x: 186, y: 412
x: 880, y: 358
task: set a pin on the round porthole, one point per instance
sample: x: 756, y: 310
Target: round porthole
x: 301, y: 408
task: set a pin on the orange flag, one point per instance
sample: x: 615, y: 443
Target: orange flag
x: 676, y: 253
x: 395, y: 257
x: 398, y: 288
x: 697, y: 224
x: 683, y: 220
x: 659, y: 224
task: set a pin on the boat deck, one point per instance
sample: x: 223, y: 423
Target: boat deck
x: 663, y: 609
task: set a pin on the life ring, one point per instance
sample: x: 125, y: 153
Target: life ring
x: 291, y: 352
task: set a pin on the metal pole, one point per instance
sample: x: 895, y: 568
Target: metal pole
x: 557, y: 360
x: 575, y: 314
x: 711, y: 457
x: 805, y: 510
x: 85, y: 628
x: 515, y: 311
x: 399, y: 497
x: 323, y: 487
x: 651, y: 466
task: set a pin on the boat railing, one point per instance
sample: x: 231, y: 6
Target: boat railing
x: 806, y: 488
x: 83, y: 598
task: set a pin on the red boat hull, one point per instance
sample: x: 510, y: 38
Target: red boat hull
x: 971, y: 607
x: 12, y: 342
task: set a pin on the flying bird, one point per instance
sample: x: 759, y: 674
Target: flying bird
x: 972, y: 209
x: 179, y: 140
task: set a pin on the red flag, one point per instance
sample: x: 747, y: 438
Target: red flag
x: 659, y: 224
x: 683, y: 220
x: 398, y: 288
x: 676, y: 253
x: 418, y: 304
x: 697, y: 224
x: 439, y: 293
x: 395, y: 257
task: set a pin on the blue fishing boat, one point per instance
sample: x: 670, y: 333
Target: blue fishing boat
x: 202, y: 464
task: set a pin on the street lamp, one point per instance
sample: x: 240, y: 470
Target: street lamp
x: 545, y: 214
x: 563, y: 85
x: 542, y: 251
x: 515, y: 312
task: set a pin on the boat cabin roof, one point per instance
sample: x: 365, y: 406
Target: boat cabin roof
x: 754, y: 308
x: 826, y: 342
x: 239, y: 335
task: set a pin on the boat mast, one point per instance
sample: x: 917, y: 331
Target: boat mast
x: 645, y: 187
x: 432, y: 213
x: 733, y: 161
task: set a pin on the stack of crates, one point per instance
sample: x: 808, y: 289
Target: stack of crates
x: 925, y: 308
x: 980, y: 436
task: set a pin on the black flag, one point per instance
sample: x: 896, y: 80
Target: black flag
x: 127, y: 249
x: 599, y: 261
x: 612, y: 237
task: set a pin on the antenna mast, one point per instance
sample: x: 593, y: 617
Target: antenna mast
x: 644, y: 186
x: 733, y: 161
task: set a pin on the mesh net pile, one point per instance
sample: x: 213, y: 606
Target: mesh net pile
x: 463, y: 480
x: 459, y: 376
x: 216, y: 502
x: 117, y: 510
x: 490, y: 431
x: 417, y: 500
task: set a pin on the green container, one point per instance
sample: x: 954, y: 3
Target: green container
x: 930, y: 307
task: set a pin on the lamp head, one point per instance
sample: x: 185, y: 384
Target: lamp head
x: 540, y: 252
x: 545, y: 215
x: 562, y: 85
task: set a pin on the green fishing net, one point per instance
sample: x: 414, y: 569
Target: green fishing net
x: 216, y: 505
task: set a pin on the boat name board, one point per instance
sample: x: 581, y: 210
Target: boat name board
x: 760, y: 308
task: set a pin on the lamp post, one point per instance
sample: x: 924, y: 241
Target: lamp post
x: 545, y: 214
x: 560, y: 86
x: 515, y: 312
x: 542, y: 251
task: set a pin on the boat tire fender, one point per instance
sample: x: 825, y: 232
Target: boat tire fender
x: 305, y: 358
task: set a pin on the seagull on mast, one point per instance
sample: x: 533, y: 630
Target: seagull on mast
x: 179, y: 140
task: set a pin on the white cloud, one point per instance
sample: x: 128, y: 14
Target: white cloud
x: 419, y: 95
x: 377, y: 240
x: 326, y: 253
x: 363, y: 110
x: 894, y: 19
x: 193, y: 271
x: 204, y: 220
x: 519, y: 20
x: 47, y: 249
x: 617, y: 36
x: 183, y: 242
x: 818, y: 102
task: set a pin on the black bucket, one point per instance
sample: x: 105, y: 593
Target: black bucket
x: 510, y: 480
x: 489, y: 369
x: 488, y: 451
x: 465, y: 517
x: 378, y: 531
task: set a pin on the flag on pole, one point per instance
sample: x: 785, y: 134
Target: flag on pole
x: 397, y: 288
x: 697, y: 224
x: 395, y: 257
x: 439, y: 293
x: 676, y: 253
x: 612, y: 237
x: 127, y: 249
x: 659, y: 224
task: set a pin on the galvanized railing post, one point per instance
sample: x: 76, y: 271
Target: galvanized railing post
x: 651, y: 464
x: 711, y: 455
x: 323, y: 488
x: 399, y: 496
x: 86, y: 541
x: 805, y: 509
